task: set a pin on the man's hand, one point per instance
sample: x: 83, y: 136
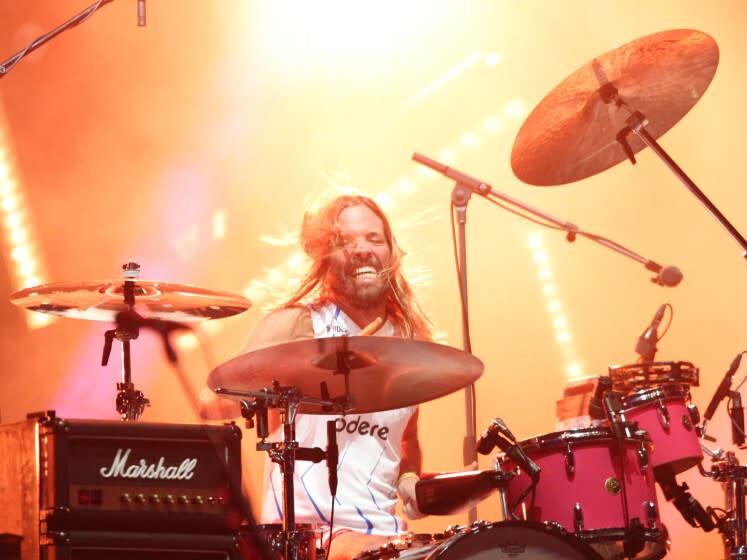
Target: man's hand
x: 406, y: 491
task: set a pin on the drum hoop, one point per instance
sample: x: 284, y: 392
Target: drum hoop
x: 635, y: 376
x: 665, y: 392
x: 654, y: 536
x: 578, y: 437
x: 548, y: 528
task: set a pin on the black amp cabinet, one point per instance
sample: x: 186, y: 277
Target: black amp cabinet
x: 107, y: 545
x: 68, y: 486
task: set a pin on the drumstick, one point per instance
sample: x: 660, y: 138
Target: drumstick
x: 372, y: 327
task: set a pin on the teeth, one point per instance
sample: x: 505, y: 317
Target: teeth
x: 364, y: 270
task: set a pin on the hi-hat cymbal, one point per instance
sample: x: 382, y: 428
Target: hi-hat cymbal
x: 101, y: 301
x: 571, y: 133
x: 384, y: 372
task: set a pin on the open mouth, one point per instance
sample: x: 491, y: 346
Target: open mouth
x: 364, y: 272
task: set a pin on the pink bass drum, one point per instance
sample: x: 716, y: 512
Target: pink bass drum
x: 657, y: 397
x: 595, y: 486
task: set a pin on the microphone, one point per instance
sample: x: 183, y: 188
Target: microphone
x: 723, y: 389
x: 686, y: 504
x: 495, y: 436
x: 646, y: 345
x: 736, y: 411
x: 487, y: 442
x: 596, y: 402
x: 333, y: 454
x: 668, y: 276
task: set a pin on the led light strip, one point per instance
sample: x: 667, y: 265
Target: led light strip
x: 554, y: 306
x: 19, y: 245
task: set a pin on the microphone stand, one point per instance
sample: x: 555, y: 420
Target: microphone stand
x: 460, y: 197
x: 461, y: 194
x: 9, y: 64
x: 572, y: 230
x: 636, y: 123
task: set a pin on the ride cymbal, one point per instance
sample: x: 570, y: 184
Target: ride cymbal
x: 572, y: 133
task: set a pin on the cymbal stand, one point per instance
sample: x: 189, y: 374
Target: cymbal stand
x: 731, y: 524
x: 286, y: 452
x: 636, y: 124
x: 130, y: 402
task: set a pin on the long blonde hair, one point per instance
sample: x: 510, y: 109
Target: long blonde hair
x: 319, y: 232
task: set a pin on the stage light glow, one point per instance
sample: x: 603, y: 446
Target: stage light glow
x: 295, y: 261
x: 219, y: 224
x: 384, y: 200
x: 492, y: 59
x: 19, y: 243
x: 447, y: 156
x: 469, y: 140
x: 516, y: 109
x: 493, y: 125
x: 443, y: 79
x: 405, y: 187
x: 559, y: 322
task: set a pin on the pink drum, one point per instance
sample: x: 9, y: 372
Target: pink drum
x: 595, y: 486
x: 666, y: 414
x: 508, y: 540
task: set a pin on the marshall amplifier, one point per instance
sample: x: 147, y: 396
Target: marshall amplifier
x: 59, y: 475
x: 104, y: 545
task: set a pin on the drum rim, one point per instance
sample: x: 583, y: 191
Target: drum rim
x: 669, y: 391
x: 579, y: 436
x: 626, y: 376
x: 553, y: 529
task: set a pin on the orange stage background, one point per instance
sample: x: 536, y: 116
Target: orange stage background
x: 192, y: 144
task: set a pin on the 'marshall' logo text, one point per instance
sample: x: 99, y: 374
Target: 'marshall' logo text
x: 144, y: 470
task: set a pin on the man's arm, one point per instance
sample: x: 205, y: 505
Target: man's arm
x: 410, y: 467
x: 282, y: 325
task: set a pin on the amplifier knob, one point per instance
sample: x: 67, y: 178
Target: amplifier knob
x: 211, y: 499
x: 198, y: 500
x: 140, y: 499
x: 183, y: 499
x: 155, y: 499
x: 169, y: 499
x: 125, y: 498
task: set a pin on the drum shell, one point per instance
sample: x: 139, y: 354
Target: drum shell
x: 676, y: 442
x: 588, y: 499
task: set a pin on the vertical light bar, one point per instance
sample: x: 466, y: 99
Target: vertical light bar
x: 19, y: 246
x: 554, y: 307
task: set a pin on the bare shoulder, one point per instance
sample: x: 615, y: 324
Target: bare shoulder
x: 281, y: 325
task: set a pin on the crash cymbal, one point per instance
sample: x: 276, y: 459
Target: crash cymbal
x: 385, y: 372
x: 571, y: 133
x: 101, y: 301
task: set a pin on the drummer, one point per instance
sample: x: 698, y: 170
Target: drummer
x: 354, y: 280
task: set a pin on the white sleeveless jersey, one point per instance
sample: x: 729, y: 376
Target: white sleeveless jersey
x: 370, y: 449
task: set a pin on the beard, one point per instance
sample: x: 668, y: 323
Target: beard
x: 345, y: 287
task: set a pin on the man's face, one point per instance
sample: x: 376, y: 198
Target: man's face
x: 356, y: 263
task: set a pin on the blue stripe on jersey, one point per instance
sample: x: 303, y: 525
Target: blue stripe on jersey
x: 370, y: 476
x: 369, y: 525
x: 368, y: 487
x: 311, y: 499
x: 340, y: 461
